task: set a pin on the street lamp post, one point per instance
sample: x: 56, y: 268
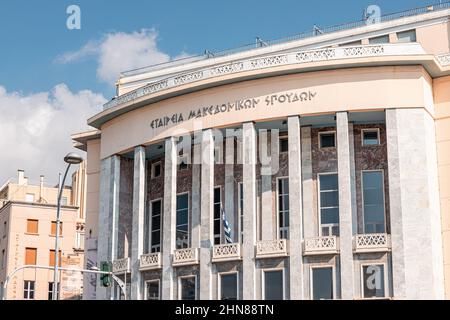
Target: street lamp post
x: 71, y: 158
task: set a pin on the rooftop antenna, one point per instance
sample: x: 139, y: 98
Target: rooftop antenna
x: 317, y: 30
x: 260, y: 42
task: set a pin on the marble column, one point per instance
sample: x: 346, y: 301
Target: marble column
x: 137, y: 239
x: 207, y: 209
x: 295, y: 210
x: 196, y: 195
x: 310, y: 229
x: 169, y: 218
x: 249, y: 186
x: 230, y: 187
x: 346, y: 206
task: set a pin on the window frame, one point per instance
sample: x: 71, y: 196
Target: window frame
x: 35, y: 256
x: 33, y: 233
x: 150, y: 226
x: 220, y: 217
x: 383, y: 36
x: 30, y: 194
x: 311, y: 278
x: 27, y: 289
x: 321, y: 133
x: 377, y: 130
x: 219, y: 283
x: 385, y: 280
x: 277, y: 207
x: 183, y: 159
x: 56, y: 225
x: 362, y: 198
x: 404, y: 32
x: 188, y: 219
x: 319, y: 203
x: 152, y: 169
x: 159, y: 288
x: 263, y: 281
x: 283, y: 137
x: 180, y: 278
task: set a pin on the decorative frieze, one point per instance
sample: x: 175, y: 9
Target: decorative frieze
x: 186, y: 78
x: 269, y: 61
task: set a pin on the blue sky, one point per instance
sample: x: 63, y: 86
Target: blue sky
x: 52, y: 78
x: 34, y: 33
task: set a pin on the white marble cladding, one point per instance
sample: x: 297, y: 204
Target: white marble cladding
x: 121, y: 265
x: 321, y: 245
x: 372, y: 242
x: 271, y: 248
x: 226, y: 252
x: 444, y: 59
x: 150, y: 261
x: 291, y: 58
x: 184, y: 257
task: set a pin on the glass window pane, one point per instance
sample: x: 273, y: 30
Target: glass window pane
x: 373, y: 197
x: 322, y: 279
x: 187, y: 288
x: 273, y: 285
x: 370, y: 138
x: 284, y: 145
x: 153, y: 290
x: 328, y: 182
x: 373, y: 281
x: 330, y: 215
x: 182, y: 217
x: 216, y: 195
x: 327, y: 140
x: 381, y: 39
x: 156, y: 238
x: 329, y: 199
x: 228, y: 286
x: 182, y: 201
x: 156, y: 208
x: 407, y: 36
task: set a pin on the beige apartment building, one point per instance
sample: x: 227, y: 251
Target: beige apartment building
x: 315, y: 167
x: 27, y: 236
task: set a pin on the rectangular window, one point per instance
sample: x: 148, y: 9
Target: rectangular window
x: 32, y: 226
x: 188, y: 288
x: 373, y: 201
x: 373, y: 281
x: 51, y: 261
x: 327, y: 139
x: 155, y: 226
x: 329, y: 204
x: 50, y: 290
x: 182, y: 229
x: 29, y: 197
x: 3, y: 261
x: 322, y: 283
x: 5, y: 229
x: 28, y: 290
x: 228, y: 286
x: 241, y: 211
x: 406, y: 36
x: 152, y: 290
x: 370, y: 137
x: 217, y: 214
x: 283, y: 208
x: 273, y: 285
x: 30, y: 256
x: 380, y: 39
x: 349, y: 44
x: 53, y: 228
x: 284, y: 144
x: 156, y: 169
x: 79, y: 240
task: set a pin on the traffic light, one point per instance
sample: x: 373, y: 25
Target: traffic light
x: 105, y: 278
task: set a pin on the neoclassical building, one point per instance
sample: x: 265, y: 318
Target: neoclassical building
x: 312, y: 168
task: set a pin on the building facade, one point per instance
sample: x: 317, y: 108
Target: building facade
x: 28, y: 230
x: 327, y: 156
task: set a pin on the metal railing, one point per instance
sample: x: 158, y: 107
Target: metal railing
x: 300, y: 36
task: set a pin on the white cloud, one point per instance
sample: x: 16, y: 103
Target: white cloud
x: 120, y: 51
x: 35, y: 129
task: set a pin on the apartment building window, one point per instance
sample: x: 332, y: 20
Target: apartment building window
x: 373, y: 201
x: 329, y: 204
x: 152, y: 291
x: 187, y: 288
x: 228, y: 286
x: 52, y: 257
x: 283, y: 208
x: 241, y: 211
x: 322, y: 283
x: 53, y: 228
x: 29, y: 197
x: 32, y: 226
x: 273, y: 284
x: 3, y: 261
x: 50, y: 290
x: 154, y: 225
x: 373, y: 281
x: 380, y: 39
x: 79, y: 240
x: 370, y: 137
x: 406, y: 36
x: 182, y: 225
x: 156, y: 169
x: 30, y: 256
x: 327, y: 139
x: 217, y: 214
x: 28, y: 290
x: 284, y: 144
